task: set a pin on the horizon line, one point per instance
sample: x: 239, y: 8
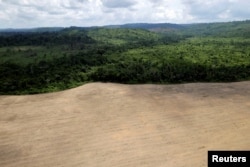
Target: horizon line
x: 129, y: 23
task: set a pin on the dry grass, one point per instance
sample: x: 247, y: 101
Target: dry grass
x: 113, y: 125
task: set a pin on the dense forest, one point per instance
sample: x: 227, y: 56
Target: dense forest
x: 51, y: 59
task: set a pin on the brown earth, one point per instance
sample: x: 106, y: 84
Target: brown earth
x: 114, y: 125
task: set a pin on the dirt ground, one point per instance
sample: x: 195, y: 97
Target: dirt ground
x: 115, y: 125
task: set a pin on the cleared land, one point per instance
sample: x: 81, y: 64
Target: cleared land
x: 103, y: 124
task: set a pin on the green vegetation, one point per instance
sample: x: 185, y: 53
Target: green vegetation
x: 37, y: 62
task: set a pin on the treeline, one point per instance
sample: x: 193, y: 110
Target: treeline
x: 68, y: 72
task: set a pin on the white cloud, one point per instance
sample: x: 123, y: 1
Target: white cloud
x: 30, y: 13
x: 217, y: 10
x: 118, y: 4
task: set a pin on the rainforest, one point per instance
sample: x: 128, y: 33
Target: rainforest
x: 51, y: 59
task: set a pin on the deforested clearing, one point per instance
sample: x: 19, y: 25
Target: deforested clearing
x: 106, y: 124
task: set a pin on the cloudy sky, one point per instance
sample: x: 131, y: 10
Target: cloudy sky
x: 64, y: 13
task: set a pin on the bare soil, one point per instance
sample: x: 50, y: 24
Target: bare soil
x: 115, y: 125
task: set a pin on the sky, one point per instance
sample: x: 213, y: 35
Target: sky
x: 65, y: 13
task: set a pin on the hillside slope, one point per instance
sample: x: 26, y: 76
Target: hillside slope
x: 98, y: 125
